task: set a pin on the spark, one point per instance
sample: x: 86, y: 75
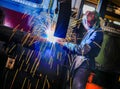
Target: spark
x: 52, y: 47
x: 21, y: 55
x: 14, y: 78
x: 42, y: 44
x: 39, y: 55
x: 21, y: 29
x: 24, y: 15
x: 45, y: 46
x: 14, y: 30
x: 7, y: 49
x: 70, y: 82
x: 38, y: 63
x: 28, y: 54
x: 29, y: 87
x: 21, y: 65
x: 12, y: 48
x: 29, y: 57
x: 33, y: 65
x: 40, y: 75
x: 27, y: 67
x: 50, y: 36
x: 51, y: 62
x: 26, y: 38
x: 119, y: 79
x: 37, y: 84
x: 41, y: 23
x: 44, y: 82
x: 48, y: 84
x: 57, y: 69
x: 32, y: 41
x: 24, y: 83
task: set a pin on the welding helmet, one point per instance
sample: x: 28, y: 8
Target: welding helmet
x: 91, y: 20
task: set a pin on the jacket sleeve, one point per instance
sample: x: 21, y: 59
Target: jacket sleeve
x: 74, y: 48
x: 95, y: 39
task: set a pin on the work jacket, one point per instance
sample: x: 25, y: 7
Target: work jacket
x: 94, y: 39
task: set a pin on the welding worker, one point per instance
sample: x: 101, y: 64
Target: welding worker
x: 86, y: 51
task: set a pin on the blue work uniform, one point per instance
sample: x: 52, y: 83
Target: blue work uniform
x: 94, y: 39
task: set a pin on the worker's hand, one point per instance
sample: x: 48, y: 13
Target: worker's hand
x: 86, y: 49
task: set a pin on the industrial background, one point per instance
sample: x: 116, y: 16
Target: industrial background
x: 26, y: 62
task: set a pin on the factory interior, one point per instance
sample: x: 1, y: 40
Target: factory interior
x: 31, y: 56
